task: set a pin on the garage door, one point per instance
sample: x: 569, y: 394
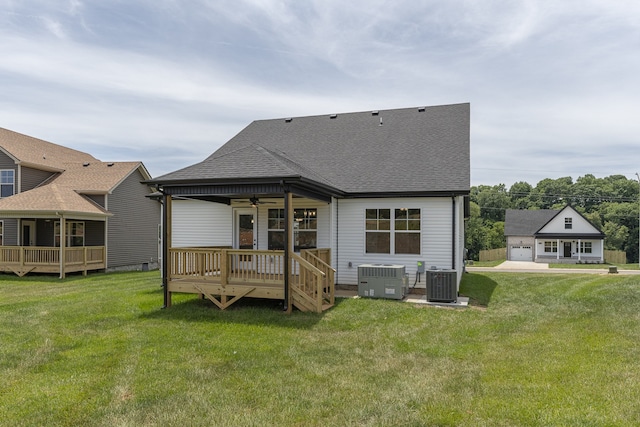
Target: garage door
x: 521, y: 253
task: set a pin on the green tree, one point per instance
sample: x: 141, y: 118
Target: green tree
x: 554, y: 192
x: 616, y: 236
x: 520, y: 194
x: 493, y: 201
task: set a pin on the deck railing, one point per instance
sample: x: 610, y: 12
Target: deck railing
x: 23, y: 259
x: 311, y: 278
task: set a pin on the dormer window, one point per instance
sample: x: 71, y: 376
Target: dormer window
x: 7, y: 183
x: 568, y: 223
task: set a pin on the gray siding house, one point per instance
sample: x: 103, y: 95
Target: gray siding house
x: 62, y: 210
x: 383, y: 187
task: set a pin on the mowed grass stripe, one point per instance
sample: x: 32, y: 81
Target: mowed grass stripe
x: 533, y: 349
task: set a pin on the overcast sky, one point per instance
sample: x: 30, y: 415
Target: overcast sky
x: 554, y: 86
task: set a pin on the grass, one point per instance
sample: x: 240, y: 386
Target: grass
x: 533, y: 350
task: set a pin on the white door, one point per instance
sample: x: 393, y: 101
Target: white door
x: 521, y: 253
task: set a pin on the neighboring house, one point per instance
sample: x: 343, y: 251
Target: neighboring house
x: 546, y: 235
x: 55, y: 200
x: 376, y: 187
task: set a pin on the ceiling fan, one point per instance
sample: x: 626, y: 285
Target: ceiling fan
x: 255, y: 202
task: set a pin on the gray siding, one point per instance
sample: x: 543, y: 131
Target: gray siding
x: 99, y: 199
x: 31, y: 178
x: 133, y: 228
x: 7, y: 162
x: 10, y: 232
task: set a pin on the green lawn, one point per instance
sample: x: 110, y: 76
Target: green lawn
x: 533, y: 350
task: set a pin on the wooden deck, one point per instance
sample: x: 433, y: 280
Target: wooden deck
x: 38, y: 259
x: 224, y: 276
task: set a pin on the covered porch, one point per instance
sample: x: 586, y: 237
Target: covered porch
x: 569, y: 250
x: 242, y: 259
x: 52, y: 243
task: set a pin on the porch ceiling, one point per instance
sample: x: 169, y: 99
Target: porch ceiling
x: 225, y: 192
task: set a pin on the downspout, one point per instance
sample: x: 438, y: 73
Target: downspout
x: 337, y: 278
x: 453, y: 232
x: 287, y: 243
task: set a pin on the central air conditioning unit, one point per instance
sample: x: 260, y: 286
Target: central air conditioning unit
x: 442, y: 285
x: 382, y: 281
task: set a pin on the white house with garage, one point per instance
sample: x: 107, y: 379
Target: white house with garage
x: 547, y: 235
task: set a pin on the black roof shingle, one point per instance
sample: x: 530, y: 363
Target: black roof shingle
x: 409, y: 150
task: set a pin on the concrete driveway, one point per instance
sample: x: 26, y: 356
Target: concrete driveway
x: 535, y: 267
x: 522, y: 265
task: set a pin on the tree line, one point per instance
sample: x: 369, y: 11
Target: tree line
x: 611, y: 204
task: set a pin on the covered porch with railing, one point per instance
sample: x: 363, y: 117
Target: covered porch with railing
x: 37, y: 259
x: 225, y: 275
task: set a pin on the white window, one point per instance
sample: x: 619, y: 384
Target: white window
x: 305, y: 229
x: 551, y: 247
x: 74, y: 232
x: 568, y: 223
x: 405, y: 230
x: 7, y: 183
x: 586, y: 247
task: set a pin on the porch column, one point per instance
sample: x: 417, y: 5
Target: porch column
x: 579, y: 249
x: 63, y: 244
x: 602, y: 250
x: 288, y: 248
x: 166, y: 244
x: 558, y: 249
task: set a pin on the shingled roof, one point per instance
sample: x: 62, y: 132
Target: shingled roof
x: 76, y: 174
x: 521, y: 222
x: 410, y: 150
x: 38, y: 153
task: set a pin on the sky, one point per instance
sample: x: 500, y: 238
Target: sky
x: 554, y: 86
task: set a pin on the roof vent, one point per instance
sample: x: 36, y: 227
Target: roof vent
x: 421, y: 109
x: 86, y: 164
x: 333, y: 116
x: 375, y: 112
x: 110, y: 164
x: 380, y: 122
x: 288, y: 120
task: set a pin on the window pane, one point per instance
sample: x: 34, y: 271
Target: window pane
x: 413, y: 225
x: 401, y: 224
x: 384, y: 224
x: 372, y: 214
x: 378, y: 243
x: 401, y: 214
x: 6, y: 190
x: 407, y: 243
x: 385, y: 213
x: 306, y: 240
x: 371, y: 225
x: 276, y: 240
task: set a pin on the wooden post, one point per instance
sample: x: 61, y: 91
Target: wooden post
x: 63, y: 244
x: 166, y: 244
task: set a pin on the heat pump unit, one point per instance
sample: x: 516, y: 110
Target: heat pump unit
x: 382, y: 281
x: 442, y: 286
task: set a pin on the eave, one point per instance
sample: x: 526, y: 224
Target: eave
x: 56, y: 214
